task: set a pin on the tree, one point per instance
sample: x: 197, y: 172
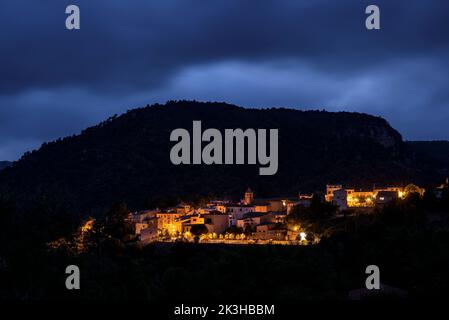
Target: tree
x: 429, y: 199
x: 317, y: 210
x: 412, y: 189
x: 7, y: 222
x: 197, y: 230
x: 117, y: 225
x: 445, y: 199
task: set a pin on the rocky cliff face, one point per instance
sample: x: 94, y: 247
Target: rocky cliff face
x: 385, y: 136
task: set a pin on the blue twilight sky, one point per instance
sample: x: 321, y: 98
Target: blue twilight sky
x: 303, y: 54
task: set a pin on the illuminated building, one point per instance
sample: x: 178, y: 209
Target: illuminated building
x: 166, y: 220
x: 352, y: 198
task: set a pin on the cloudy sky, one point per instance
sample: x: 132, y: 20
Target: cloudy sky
x: 303, y: 54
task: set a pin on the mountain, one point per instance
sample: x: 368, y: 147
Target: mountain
x: 438, y: 151
x: 4, y: 164
x: 126, y: 158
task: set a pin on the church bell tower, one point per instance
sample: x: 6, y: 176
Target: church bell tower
x: 249, y: 197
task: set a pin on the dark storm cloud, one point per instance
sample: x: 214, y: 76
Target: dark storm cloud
x: 301, y: 53
x: 142, y: 43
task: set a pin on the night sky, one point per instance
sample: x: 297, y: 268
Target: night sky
x: 303, y: 54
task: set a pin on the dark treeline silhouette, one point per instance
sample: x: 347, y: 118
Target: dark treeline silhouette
x: 5, y: 164
x: 408, y: 239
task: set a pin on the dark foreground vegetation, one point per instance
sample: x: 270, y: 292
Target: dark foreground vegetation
x: 408, y: 240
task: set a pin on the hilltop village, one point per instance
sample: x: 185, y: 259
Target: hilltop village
x: 258, y: 221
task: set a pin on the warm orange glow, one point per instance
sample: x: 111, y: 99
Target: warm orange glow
x: 88, y: 226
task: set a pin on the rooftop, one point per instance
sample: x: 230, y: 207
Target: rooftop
x: 254, y: 215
